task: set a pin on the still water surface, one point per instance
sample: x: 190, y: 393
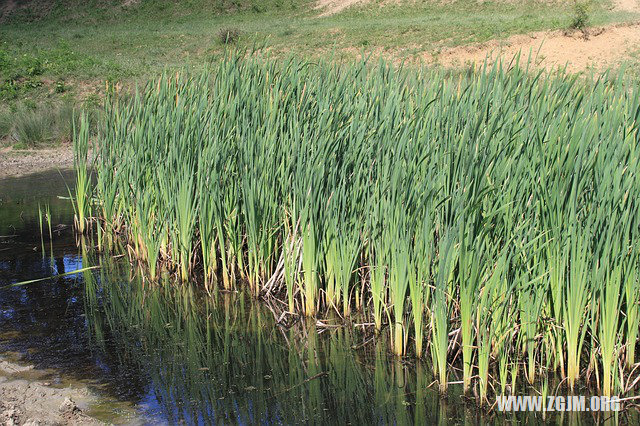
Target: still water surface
x: 175, y: 355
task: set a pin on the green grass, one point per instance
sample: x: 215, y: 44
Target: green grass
x: 31, y: 126
x: 5, y: 123
x: 82, y: 199
x: 69, y: 50
x: 43, y: 125
x: 83, y: 46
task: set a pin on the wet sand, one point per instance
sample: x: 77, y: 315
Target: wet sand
x: 14, y: 163
x: 25, y: 400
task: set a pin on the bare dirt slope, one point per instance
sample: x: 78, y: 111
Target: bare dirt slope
x: 627, y: 5
x: 592, y: 49
x: 330, y: 7
x: 596, y: 49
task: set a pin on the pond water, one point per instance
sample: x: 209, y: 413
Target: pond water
x: 172, y: 354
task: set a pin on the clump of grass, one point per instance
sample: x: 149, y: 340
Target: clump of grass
x: 5, y: 124
x: 42, y: 125
x: 228, y: 35
x: 33, y: 128
x: 489, y: 217
x: 60, y: 87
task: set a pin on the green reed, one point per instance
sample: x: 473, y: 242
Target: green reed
x: 490, y: 217
x: 82, y: 199
x: 41, y: 227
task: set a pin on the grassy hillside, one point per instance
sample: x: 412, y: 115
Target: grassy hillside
x: 64, y: 51
x: 100, y: 10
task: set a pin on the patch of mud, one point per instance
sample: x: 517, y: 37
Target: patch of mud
x: 15, y: 163
x: 596, y: 49
x: 8, y: 368
x: 27, y: 402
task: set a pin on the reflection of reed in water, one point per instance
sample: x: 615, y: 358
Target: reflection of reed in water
x: 224, y: 359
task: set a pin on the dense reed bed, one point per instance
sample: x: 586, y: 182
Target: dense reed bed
x: 489, y: 219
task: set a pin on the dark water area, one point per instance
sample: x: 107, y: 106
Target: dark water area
x: 32, y: 313
x: 172, y: 354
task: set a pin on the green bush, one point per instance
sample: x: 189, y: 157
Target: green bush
x: 580, y: 19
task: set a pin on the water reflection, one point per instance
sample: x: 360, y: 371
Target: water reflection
x: 20, y: 197
x: 182, y: 356
x: 224, y: 359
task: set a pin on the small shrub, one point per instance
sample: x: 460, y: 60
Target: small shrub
x: 60, y: 87
x: 580, y: 18
x: 9, y: 89
x: 228, y: 35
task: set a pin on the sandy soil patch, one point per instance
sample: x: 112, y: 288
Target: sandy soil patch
x: 596, y: 49
x: 331, y: 7
x: 31, y: 402
x: 627, y: 5
x: 15, y: 163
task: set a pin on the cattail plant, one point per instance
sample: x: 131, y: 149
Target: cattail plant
x: 83, y: 190
x: 487, y: 220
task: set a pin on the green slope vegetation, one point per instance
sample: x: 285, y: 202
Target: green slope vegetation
x: 84, y: 43
x: 56, y: 54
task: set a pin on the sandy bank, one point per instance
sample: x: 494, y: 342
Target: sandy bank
x: 15, y: 163
x: 25, y: 401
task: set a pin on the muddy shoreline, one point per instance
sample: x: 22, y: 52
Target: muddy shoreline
x: 27, y: 400
x: 15, y: 163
